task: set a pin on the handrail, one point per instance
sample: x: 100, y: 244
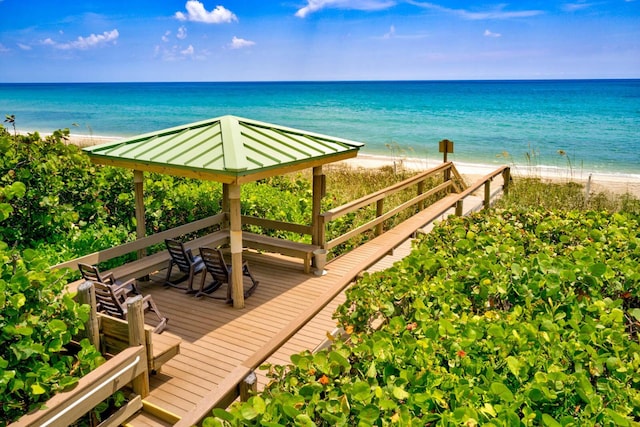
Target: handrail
x: 142, y: 243
x: 66, y: 407
x: 276, y: 225
x: 480, y: 182
x: 378, y: 197
x: 381, y: 194
x: 371, y: 224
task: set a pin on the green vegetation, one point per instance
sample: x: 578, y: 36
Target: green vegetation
x: 527, y: 317
x: 512, y: 313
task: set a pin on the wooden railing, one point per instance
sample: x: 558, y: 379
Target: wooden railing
x: 129, y: 367
x: 485, y: 181
x: 452, y: 184
x: 241, y: 379
x: 143, y: 243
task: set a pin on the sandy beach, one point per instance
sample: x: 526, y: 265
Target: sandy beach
x: 617, y: 184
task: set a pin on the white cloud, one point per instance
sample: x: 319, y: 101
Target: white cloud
x: 179, y: 53
x: 3, y: 48
x: 197, y: 13
x: 182, y: 33
x: 24, y: 46
x: 316, y: 5
x: 572, y: 7
x: 84, y: 43
x: 238, y: 43
x: 488, y: 33
x: 390, y: 33
x: 497, y: 13
x: 165, y: 37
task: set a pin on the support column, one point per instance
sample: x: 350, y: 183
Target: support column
x: 235, y: 233
x: 141, y: 228
x: 87, y: 295
x: 135, y: 321
x: 319, y: 189
x: 225, y: 204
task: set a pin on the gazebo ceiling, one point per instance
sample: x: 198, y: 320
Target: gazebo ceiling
x: 228, y: 149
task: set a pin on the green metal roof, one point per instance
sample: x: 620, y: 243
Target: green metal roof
x: 224, y: 147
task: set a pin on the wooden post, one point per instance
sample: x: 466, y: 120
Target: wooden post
x: 506, y: 180
x: 487, y: 194
x: 235, y: 234
x: 379, y: 212
x: 322, y: 232
x: 141, y: 228
x: 459, y: 207
x: 319, y: 184
x: 87, y: 295
x: 445, y: 146
x: 135, y: 320
x: 248, y: 387
x: 420, y: 191
x: 225, y: 204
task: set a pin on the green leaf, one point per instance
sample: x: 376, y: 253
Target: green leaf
x: 502, y: 391
x: 598, y: 269
x: 248, y: 412
x: 5, y: 211
x: 37, y: 389
x: 258, y: 403
x: 212, y: 422
x: 370, y: 413
x: 549, y: 421
x: 617, y: 418
x: 222, y: 414
x: 400, y: 394
x: 57, y: 325
x: 635, y: 312
x: 514, y: 366
x: 303, y: 420
x: 361, y: 391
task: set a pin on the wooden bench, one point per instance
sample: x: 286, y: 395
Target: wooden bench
x: 114, y: 337
x: 281, y: 246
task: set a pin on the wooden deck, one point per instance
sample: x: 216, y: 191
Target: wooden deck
x: 216, y: 337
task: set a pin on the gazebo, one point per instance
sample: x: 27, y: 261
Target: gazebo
x: 231, y: 150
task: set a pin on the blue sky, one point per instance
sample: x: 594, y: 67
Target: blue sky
x: 228, y: 40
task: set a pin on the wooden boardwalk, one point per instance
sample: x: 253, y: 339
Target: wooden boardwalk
x: 216, y: 338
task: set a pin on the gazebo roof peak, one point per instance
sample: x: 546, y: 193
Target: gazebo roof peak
x: 226, y: 148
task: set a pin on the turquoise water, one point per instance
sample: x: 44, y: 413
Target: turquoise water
x: 595, y: 123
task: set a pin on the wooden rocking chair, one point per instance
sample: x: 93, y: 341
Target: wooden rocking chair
x: 112, y: 300
x: 92, y: 274
x: 188, y: 264
x: 216, y: 266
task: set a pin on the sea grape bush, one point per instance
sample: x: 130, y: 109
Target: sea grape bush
x: 37, y: 323
x: 505, y: 319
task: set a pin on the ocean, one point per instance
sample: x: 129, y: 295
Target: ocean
x: 580, y: 127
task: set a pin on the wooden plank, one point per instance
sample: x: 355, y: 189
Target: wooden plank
x: 276, y: 225
x: 123, y: 413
